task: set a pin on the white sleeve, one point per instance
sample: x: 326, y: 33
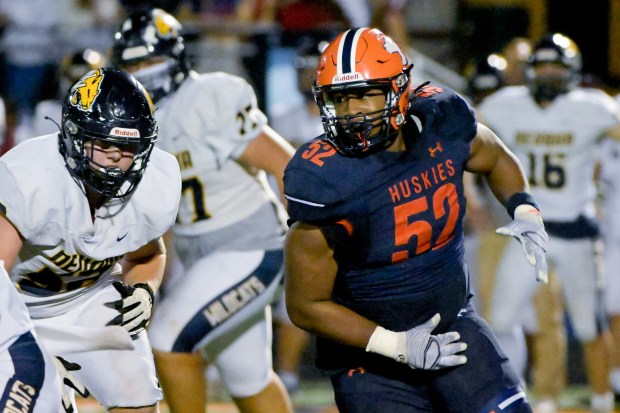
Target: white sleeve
x: 12, y: 203
x: 239, y: 119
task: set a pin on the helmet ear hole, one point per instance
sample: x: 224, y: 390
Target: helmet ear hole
x: 399, y: 119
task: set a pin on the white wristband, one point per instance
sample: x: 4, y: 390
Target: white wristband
x: 528, y: 213
x: 387, y: 343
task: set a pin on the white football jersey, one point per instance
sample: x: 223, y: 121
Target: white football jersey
x: 14, y: 320
x: 207, y: 124
x: 66, y: 254
x: 556, y: 145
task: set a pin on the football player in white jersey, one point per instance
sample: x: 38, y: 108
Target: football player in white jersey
x: 82, y: 214
x: 28, y: 379
x: 229, y: 231
x: 552, y: 125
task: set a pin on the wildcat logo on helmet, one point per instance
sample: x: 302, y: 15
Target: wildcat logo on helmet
x: 125, y: 132
x: 167, y: 27
x: 85, y: 91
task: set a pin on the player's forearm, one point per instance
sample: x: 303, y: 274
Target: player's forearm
x: 331, y: 320
x: 147, y: 265
x: 148, y: 272
x: 507, y: 178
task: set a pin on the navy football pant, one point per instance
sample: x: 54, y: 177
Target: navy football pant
x: 486, y: 383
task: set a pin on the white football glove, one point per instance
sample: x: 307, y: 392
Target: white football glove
x: 529, y: 230
x: 418, y: 348
x: 64, y: 367
x: 134, y: 307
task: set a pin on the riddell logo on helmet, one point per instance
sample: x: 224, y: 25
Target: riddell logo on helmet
x: 347, y: 77
x: 124, y: 132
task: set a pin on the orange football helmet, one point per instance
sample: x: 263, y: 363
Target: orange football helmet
x: 363, y: 58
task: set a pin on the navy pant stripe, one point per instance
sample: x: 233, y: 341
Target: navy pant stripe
x: 199, y: 326
x: 22, y: 390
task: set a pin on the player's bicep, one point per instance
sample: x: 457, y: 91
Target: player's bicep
x: 310, y: 269
x: 490, y: 157
x: 485, y: 151
x: 10, y: 242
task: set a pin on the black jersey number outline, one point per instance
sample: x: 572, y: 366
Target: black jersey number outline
x: 198, y: 200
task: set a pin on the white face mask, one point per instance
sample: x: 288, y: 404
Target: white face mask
x: 156, y: 79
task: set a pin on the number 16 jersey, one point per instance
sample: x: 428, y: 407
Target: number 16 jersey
x: 556, y: 144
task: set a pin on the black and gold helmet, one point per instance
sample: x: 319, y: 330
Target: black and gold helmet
x: 107, y: 105
x: 559, y: 49
x: 145, y: 35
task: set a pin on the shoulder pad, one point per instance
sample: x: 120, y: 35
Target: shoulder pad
x: 317, y: 182
x: 444, y: 110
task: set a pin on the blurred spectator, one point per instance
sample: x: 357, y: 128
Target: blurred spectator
x: 485, y: 77
x: 516, y: 53
x: 88, y: 23
x: 309, y: 15
x: 30, y: 42
x: 301, y: 122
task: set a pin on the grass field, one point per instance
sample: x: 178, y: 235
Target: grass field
x: 316, y: 397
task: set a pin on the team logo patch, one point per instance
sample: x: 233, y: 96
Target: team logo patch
x: 165, y: 24
x: 433, y: 151
x: 85, y: 91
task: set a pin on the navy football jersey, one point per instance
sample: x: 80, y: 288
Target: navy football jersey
x: 394, y: 219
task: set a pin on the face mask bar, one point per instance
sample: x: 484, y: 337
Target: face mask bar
x: 359, y: 134
x: 157, y: 79
x: 106, y: 181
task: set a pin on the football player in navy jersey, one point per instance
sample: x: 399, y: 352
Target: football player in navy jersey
x: 374, y: 256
